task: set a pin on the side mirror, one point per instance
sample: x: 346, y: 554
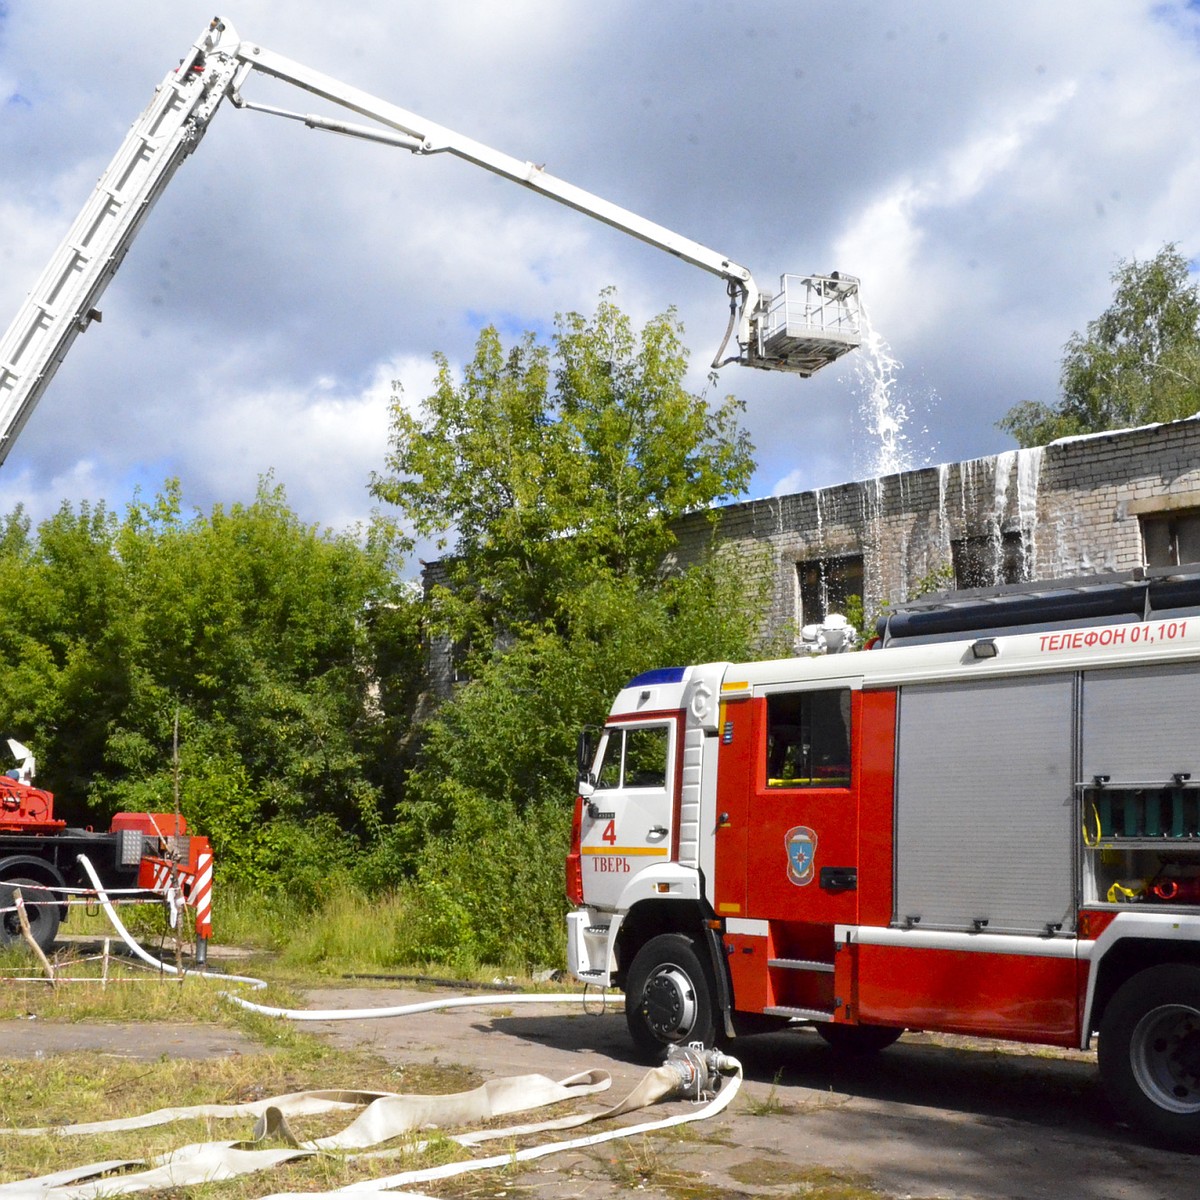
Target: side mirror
x: 585, y: 754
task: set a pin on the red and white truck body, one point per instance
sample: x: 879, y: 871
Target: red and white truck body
x: 142, y: 856
x: 995, y: 835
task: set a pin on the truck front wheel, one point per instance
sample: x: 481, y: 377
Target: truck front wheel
x: 41, y: 909
x: 1149, y: 1053
x: 669, y: 996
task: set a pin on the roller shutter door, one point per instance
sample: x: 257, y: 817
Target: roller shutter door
x: 984, y: 805
x: 1140, y: 723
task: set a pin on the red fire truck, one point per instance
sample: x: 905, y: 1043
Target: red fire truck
x: 142, y: 856
x: 988, y: 823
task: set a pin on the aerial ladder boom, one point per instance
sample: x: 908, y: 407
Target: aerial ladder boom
x: 812, y: 320
x: 63, y: 301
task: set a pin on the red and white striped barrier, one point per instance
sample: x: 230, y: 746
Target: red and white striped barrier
x: 201, y: 895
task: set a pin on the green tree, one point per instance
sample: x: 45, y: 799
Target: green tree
x: 64, y: 641
x: 552, y: 476
x: 263, y: 637
x: 486, y: 827
x: 539, y: 470
x: 1138, y: 362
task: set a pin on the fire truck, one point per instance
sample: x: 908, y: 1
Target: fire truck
x: 986, y: 823
x: 142, y: 856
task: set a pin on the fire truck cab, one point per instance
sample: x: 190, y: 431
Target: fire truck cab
x: 986, y: 824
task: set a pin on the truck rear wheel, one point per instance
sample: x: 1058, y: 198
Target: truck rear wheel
x: 1149, y: 1053
x: 41, y: 909
x: 669, y: 996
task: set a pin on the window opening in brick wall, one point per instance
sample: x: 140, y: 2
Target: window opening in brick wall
x: 827, y: 585
x: 1171, y: 539
x: 975, y: 560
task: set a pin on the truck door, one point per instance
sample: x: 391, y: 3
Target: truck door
x: 802, y: 849
x: 630, y: 820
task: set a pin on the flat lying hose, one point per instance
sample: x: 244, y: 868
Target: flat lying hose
x: 337, y: 1014
x: 386, y: 1117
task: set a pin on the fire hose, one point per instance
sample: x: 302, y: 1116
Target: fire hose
x: 307, y: 1014
x: 690, y: 1071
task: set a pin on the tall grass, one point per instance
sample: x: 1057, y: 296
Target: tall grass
x: 429, y: 922
x: 353, y: 931
x: 347, y: 930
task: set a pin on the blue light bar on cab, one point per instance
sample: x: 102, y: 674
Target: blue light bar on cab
x: 662, y: 675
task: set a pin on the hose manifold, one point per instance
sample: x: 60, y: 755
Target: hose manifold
x: 699, y: 1069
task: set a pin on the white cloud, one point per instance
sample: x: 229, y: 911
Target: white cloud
x: 888, y: 238
x: 80, y: 482
x: 322, y: 442
x: 981, y: 167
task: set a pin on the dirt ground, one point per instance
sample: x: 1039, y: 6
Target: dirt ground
x: 930, y: 1117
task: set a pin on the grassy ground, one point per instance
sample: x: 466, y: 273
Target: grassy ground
x: 341, y: 931
x: 69, y: 1088
x: 288, y: 946
x: 73, y: 1087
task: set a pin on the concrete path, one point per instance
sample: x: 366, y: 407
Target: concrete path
x: 958, y: 1119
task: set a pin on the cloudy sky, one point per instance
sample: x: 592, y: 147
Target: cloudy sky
x: 981, y: 167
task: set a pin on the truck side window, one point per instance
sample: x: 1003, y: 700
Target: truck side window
x: 634, y: 758
x: 808, y: 739
x: 646, y: 757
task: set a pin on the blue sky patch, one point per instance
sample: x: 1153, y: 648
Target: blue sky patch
x: 511, y: 326
x: 1182, y: 19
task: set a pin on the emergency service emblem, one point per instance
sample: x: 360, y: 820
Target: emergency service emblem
x: 801, y: 845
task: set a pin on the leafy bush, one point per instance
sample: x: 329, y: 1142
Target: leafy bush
x: 251, y: 639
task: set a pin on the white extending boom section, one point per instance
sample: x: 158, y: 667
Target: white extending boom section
x: 812, y: 321
x: 803, y: 328
x: 63, y: 301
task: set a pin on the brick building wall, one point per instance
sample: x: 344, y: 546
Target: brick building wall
x: 1108, y: 502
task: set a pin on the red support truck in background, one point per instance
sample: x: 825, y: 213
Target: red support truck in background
x: 988, y: 824
x: 142, y: 856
